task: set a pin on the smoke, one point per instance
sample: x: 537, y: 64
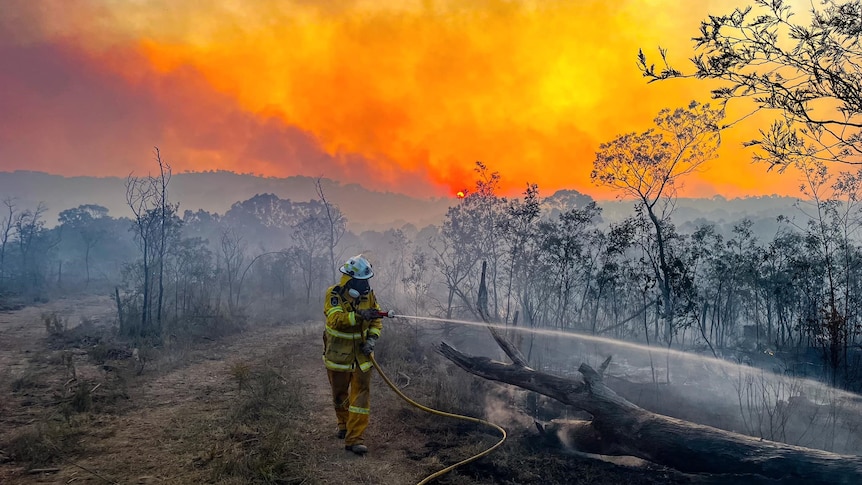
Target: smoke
x: 405, y: 96
x: 73, y: 105
x: 501, y: 408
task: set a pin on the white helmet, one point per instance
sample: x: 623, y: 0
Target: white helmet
x: 357, y: 267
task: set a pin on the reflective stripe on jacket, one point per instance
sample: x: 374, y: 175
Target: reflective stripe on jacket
x: 345, y: 330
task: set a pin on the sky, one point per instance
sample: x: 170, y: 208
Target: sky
x: 400, y: 96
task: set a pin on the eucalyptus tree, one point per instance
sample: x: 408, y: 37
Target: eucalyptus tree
x: 489, y: 214
x: 310, y: 235
x: 454, y: 254
x: 565, y: 255
x: 784, y: 283
x: 806, y: 72
x: 649, y: 166
x: 528, y: 287
x: 519, y: 233
x: 417, y: 281
x: 85, y: 223
x: 337, y: 224
x: 620, y: 295
x: 742, y: 272
x: 156, y: 225
x: 265, y: 220
x: 194, y: 281
x: 705, y: 257
x: 232, y: 256
x: 833, y: 212
x: 606, y: 304
x: 32, y: 243
x: 7, y: 223
x: 472, y: 231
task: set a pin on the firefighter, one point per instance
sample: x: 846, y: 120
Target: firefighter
x: 352, y: 328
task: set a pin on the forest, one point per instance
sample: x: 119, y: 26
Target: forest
x: 552, y: 264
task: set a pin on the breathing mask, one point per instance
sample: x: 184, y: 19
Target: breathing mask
x: 357, y: 288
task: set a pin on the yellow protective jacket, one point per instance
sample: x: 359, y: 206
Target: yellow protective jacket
x: 345, y: 330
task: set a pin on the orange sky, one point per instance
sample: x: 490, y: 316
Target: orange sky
x: 402, y: 95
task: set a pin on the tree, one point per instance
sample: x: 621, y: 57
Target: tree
x: 311, y: 235
x: 233, y: 255
x: 416, y: 281
x: 454, y: 252
x: 266, y: 220
x: 139, y: 197
x: 833, y: 213
x: 193, y: 279
x: 6, y: 225
x: 808, y: 74
x: 649, y: 166
x: 155, y: 225
x: 563, y: 250
x: 472, y: 231
x: 29, y: 230
x: 520, y: 233
x: 84, y: 220
x: 167, y: 219
x: 337, y: 226
x: 705, y: 257
x: 778, y: 285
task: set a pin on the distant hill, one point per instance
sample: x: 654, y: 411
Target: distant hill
x: 365, y: 209
x: 724, y: 213
x: 216, y: 191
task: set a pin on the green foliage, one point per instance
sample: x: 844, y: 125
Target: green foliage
x: 803, y: 67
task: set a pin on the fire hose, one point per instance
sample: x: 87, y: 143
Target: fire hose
x: 471, y: 419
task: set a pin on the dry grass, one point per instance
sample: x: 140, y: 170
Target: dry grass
x: 45, y: 443
x: 55, y: 324
x: 256, y: 441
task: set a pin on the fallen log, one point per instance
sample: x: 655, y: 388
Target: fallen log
x: 626, y: 429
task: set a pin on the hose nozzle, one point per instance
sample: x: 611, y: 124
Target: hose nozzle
x: 386, y: 314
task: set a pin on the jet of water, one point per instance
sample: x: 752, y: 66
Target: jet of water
x: 731, y: 369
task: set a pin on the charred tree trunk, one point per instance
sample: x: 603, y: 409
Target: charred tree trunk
x: 626, y: 429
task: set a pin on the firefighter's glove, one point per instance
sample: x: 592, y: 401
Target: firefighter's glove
x: 368, y: 346
x: 368, y: 314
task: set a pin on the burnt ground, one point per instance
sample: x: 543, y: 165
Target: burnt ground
x: 254, y: 407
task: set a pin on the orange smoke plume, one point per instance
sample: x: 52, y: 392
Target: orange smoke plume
x: 402, y: 95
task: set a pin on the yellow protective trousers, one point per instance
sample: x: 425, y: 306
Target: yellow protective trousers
x: 351, y: 395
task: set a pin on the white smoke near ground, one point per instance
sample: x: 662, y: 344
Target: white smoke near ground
x: 502, y: 408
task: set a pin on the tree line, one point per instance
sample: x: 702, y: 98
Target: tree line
x: 640, y: 279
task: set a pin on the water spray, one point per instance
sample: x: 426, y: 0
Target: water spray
x: 813, y: 390
x: 429, y: 478
x: 722, y: 364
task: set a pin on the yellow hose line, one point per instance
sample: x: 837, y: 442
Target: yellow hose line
x: 448, y: 469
